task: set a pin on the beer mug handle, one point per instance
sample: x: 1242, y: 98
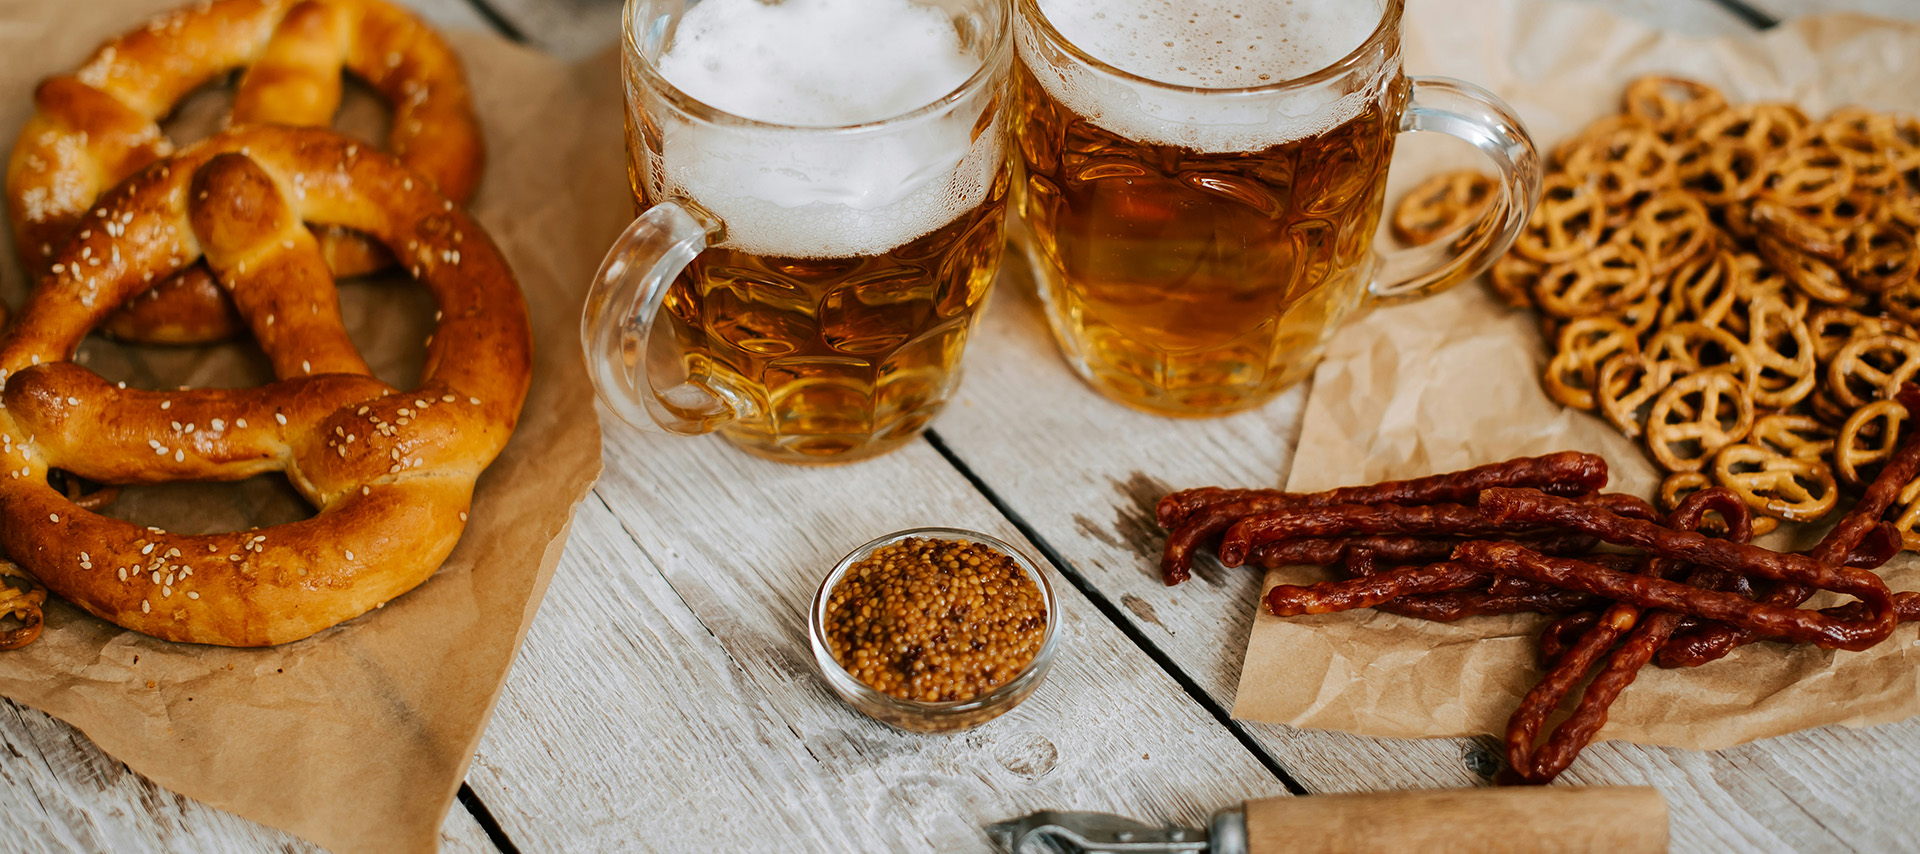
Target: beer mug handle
x: 1468, y: 112
x: 618, y: 325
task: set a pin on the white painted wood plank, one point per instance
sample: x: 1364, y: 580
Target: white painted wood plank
x: 669, y: 665
x: 1084, y: 472
x: 60, y: 793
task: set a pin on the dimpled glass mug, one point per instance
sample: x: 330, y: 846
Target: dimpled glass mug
x: 1203, y: 179
x: 824, y: 185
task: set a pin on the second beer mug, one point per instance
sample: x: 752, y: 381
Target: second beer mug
x: 1203, y: 182
x: 824, y: 185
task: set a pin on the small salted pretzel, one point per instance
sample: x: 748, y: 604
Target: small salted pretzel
x: 1811, y: 275
x: 1797, y: 436
x: 1442, y: 205
x: 1700, y: 347
x: 1513, y: 278
x: 1707, y: 286
x: 390, y: 471
x: 1670, y: 228
x: 1585, y: 343
x: 1728, y: 174
x: 1644, y: 314
x: 1763, y: 126
x: 1621, y: 156
x: 22, y: 599
x: 1626, y: 386
x: 1869, y: 437
x: 101, y: 124
x: 1603, y: 281
x: 1671, y: 104
x: 1782, y: 350
x: 1809, y: 174
x: 1799, y: 229
x: 1696, y: 416
x: 1566, y: 225
x: 1833, y: 327
x: 1909, y: 504
x: 1677, y: 486
x: 1783, y: 487
x: 1872, y: 368
x: 1903, y: 302
x: 1858, y: 136
x: 1880, y: 256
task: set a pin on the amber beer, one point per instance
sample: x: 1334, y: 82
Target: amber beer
x: 842, y: 357
x: 856, y: 221
x: 1192, y: 266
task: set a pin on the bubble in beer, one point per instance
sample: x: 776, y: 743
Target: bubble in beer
x: 816, y: 62
x: 798, y: 192
x: 1206, y: 44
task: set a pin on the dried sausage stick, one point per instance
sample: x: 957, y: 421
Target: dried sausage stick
x: 1197, y: 516
x: 1563, y: 473
x: 1291, y: 600
x: 1647, y: 592
x: 1395, y: 549
x: 1646, y: 633
x: 1429, y: 520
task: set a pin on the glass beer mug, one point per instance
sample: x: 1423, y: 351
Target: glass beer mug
x: 1204, y: 179
x: 824, y: 186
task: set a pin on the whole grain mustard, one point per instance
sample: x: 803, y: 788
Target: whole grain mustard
x: 935, y: 620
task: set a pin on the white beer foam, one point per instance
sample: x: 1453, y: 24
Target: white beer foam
x: 1207, y: 44
x: 804, y: 192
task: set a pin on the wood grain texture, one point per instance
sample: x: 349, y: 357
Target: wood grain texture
x: 670, y: 666
x: 60, y: 793
x: 1506, y: 820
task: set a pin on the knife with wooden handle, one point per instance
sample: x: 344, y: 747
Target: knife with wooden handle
x: 1561, y: 819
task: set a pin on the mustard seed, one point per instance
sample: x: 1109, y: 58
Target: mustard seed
x: 935, y: 620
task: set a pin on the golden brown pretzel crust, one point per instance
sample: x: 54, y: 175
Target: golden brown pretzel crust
x: 101, y: 124
x: 391, y: 471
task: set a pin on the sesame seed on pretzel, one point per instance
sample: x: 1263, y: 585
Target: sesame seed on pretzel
x: 99, y: 125
x: 391, y: 472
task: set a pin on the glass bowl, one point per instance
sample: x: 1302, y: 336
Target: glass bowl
x: 922, y: 716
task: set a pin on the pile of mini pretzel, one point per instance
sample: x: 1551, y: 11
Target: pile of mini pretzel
x: 1679, y: 589
x: 1734, y: 285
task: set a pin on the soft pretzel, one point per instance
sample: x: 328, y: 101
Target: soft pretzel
x: 99, y: 125
x: 391, y: 472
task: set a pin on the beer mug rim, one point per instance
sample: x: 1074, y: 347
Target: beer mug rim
x: 1000, y: 22
x: 1355, y: 60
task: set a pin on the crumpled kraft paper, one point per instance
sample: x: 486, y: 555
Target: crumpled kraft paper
x: 1453, y: 382
x: 356, y: 738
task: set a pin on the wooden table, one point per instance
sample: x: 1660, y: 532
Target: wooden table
x: 665, y: 699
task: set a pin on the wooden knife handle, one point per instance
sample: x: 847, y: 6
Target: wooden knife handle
x: 1627, y: 820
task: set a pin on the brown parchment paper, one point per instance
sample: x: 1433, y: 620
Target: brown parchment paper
x: 358, y: 737
x: 1453, y: 382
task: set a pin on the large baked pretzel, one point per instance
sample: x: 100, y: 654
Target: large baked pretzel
x: 391, y: 471
x: 99, y: 125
